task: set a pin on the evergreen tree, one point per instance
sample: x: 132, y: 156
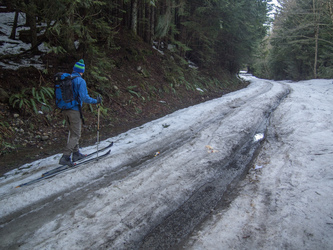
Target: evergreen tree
x: 301, y: 40
x: 243, y: 25
x: 212, y: 33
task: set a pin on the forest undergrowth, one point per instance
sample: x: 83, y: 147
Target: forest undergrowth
x: 138, y: 85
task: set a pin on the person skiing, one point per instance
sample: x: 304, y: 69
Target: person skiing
x: 73, y: 116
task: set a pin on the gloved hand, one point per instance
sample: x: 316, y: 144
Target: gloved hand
x: 99, y: 99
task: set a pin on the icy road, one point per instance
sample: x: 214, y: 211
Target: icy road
x: 177, y: 182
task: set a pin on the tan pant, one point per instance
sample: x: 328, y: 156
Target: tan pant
x: 73, y: 120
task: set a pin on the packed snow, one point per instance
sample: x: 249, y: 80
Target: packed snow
x: 286, y: 201
x: 129, y: 199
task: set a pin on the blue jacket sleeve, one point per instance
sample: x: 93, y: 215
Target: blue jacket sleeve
x: 83, y: 92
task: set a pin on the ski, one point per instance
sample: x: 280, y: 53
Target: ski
x: 100, y: 150
x: 63, y: 169
x: 88, y: 155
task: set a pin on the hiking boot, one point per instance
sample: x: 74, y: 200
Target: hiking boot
x: 66, y: 160
x: 78, y: 156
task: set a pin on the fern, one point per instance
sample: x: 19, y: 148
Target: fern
x: 134, y: 93
x: 25, y: 102
x: 33, y: 105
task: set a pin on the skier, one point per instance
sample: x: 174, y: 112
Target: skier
x: 74, y: 118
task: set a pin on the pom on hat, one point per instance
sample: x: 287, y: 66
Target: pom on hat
x: 79, y: 66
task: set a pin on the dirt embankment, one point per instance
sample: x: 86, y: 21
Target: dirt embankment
x: 142, y: 86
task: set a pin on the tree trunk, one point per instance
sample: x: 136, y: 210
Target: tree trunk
x: 152, y: 22
x: 316, y: 22
x: 33, y: 30
x: 68, y: 36
x: 147, y: 34
x: 316, y: 52
x: 134, y: 22
x: 31, y: 21
x: 141, y: 18
x: 13, y: 33
x: 330, y: 8
x: 126, y: 14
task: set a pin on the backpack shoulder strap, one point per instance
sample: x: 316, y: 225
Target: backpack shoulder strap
x: 78, y: 100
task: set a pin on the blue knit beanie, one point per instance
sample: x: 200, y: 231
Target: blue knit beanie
x: 79, y: 66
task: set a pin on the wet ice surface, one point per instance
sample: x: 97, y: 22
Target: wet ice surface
x: 134, y: 197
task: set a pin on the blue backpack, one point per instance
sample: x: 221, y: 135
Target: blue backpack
x: 64, y: 91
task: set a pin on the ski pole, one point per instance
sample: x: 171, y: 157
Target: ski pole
x: 98, y: 114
